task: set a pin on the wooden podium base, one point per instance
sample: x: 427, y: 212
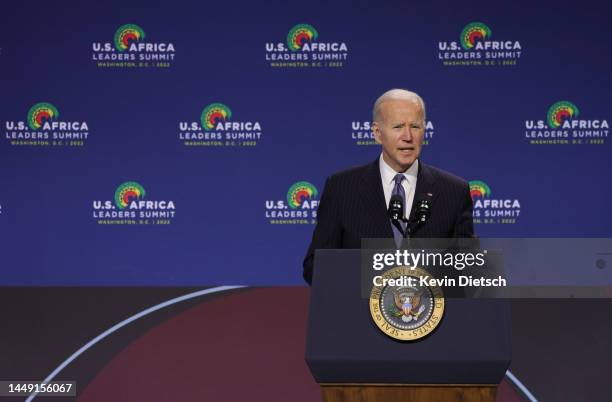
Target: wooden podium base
x: 408, y: 393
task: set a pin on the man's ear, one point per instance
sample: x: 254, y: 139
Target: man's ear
x: 376, y: 131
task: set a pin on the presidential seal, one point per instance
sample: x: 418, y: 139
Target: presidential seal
x: 403, y: 308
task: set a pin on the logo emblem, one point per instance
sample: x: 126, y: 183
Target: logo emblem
x: 407, y: 311
x: 476, y: 31
x: 40, y: 113
x: 214, y: 114
x: 479, y: 189
x: 561, y: 111
x: 300, y: 34
x: 126, y: 35
x: 128, y: 192
x: 300, y: 192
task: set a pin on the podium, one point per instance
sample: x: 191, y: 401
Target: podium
x: 464, y: 359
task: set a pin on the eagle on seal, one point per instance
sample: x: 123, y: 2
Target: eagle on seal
x: 407, y: 300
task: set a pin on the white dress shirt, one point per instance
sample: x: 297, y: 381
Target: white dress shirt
x: 387, y: 174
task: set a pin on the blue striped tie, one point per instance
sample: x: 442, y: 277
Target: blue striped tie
x: 399, y: 190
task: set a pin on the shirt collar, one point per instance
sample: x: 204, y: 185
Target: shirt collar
x: 388, y: 174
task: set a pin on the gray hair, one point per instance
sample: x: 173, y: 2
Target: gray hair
x: 396, y: 94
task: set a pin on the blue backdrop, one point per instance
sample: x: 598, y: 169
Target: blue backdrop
x: 104, y: 125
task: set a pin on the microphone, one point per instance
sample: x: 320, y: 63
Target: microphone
x: 422, y: 212
x: 396, y: 213
x: 396, y: 208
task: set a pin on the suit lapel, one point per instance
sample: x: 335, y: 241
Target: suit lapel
x: 374, y: 200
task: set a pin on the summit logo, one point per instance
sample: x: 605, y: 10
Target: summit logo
x: 489, y: 210
x: 130, y: 49
x: 299, y: 206
x: 564, y: 126
x: 303, y: 49
x: 43, y: 127
x: 129, y: 207
x: 217, y: 128
x: 475, y: 47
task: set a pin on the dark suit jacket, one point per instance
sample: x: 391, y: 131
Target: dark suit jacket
x: 353, y: 207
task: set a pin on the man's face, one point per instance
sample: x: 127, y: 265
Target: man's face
x: 400, y: 130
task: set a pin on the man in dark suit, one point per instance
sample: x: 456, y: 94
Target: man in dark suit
x: 354, y: 202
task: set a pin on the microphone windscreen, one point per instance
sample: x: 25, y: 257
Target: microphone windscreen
x: 396, y: 207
